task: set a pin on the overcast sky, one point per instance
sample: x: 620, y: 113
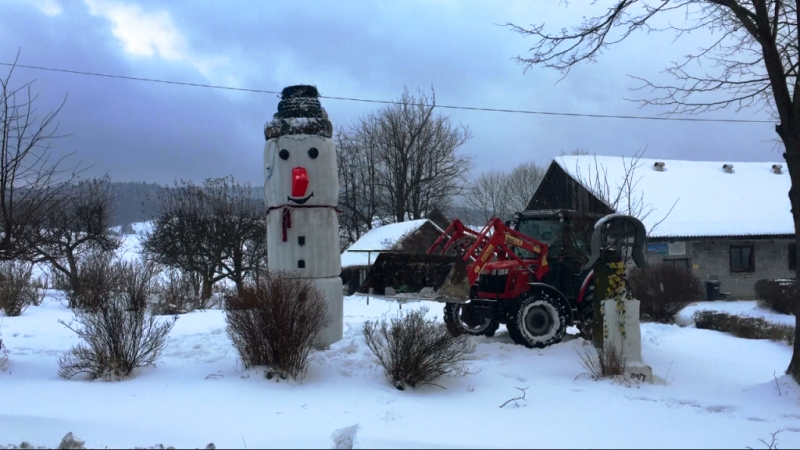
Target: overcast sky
x: 142, y: 131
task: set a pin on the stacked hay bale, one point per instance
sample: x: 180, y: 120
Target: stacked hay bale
x: 302, y: 190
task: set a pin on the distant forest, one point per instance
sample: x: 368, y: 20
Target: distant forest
x: 136, y: 202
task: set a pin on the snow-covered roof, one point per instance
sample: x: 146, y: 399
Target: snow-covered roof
x: 380, y: 238
x: 753, y: 200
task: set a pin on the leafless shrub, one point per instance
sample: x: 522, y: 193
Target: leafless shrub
x: 117, y: 340
x: 516, y: 400
x: 40, y: 285
x: 663, y: 291
x: 275, y: 324
x: 773, y: 443
x: 16, y: 290
x: 414, y: 350
x: 97, y: 279
x: 608, y: 362
x: 177, y: 294
x: 779, y: 296
x: 136, y: 283
x: 744, y: 327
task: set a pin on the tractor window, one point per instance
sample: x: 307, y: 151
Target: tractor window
x: 547, y: 231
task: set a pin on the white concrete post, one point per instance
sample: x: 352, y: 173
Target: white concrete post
x: 631, y: 344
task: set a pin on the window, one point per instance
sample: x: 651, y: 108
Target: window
x: 742, y: 258
x: 682, y: 263
x: 792, y: 256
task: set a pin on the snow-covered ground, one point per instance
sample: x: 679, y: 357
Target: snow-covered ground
x: 718, y: 391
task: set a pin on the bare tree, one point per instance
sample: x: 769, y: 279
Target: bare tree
x: 238, y: 221
x: 754, y: 61
x: 180, y: 235
x: 29, y: 180
x: 359, y: 194
x: 501, y: 194
x: 77, y: 223
x: 398, y: 164
x: 215, y: 231
x: 488, y: 195
x: 620, y: 194
x: 418, y: 167
x: 522, y: 184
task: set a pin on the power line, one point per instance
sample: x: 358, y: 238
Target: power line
x: 390, y: 102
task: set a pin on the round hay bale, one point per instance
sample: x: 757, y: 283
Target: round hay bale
x: 300, y: 90
x: 284, y: 127
x: 299, y: 112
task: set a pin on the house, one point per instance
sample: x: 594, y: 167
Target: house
x: 725, y: 221
x: 414, y: 236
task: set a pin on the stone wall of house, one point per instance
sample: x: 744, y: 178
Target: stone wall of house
x: 709, y: 259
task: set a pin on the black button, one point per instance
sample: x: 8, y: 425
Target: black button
x: 301, y: 240
x: 301, y: 263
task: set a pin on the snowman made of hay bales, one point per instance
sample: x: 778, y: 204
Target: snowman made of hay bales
x: 302, y: 190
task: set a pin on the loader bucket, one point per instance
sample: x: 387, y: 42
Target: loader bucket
x: 431, y: 276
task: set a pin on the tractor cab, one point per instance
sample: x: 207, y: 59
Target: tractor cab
x: 568, y: 236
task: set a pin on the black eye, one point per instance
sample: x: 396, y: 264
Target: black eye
x: 313, y: 153
x: 284, y: 154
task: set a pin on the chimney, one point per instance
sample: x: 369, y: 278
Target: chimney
x: 776, y: 168
x: 728, y: 168
x: 658, y: 166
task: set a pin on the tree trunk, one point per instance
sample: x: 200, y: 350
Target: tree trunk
x: 205, y: 294
x: 791, y: 140
x: 74, y: 281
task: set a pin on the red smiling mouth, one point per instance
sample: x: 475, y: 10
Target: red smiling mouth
x: 300, y: 201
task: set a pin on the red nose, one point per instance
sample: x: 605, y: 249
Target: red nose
x: 299, y: 182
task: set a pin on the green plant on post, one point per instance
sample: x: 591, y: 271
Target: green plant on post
x: 610, y: 283
x: 617, y: 290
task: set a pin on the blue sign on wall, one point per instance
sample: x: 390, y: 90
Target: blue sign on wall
x: 660, y: 248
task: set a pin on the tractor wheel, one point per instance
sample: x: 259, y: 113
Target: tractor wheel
x: 458, y: 319
x: 539, y: 320
x: 587, y: 312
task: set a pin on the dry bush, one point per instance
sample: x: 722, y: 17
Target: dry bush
x: 414, y: 350
x: 136, y: 282
x: 608, y: 362
x: 276, y: 323
x: 177, y: 294
x: 16, y: 290
x: 40, y: 284
x: 117, y: 340
x: 744, y: 327
x: 98, y: 279
x: 779, y: 296
x: 663, y: 291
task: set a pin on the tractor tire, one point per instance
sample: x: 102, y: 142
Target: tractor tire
x: 586, y: 309
x: 538, y: 321
x: 457, y: 324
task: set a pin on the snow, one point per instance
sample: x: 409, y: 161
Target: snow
x: 718, y: 391
x: 750, y: 201
x: 380, y: 238
x: 739, y: 308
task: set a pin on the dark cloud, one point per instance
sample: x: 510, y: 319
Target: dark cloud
x: 155, y: 132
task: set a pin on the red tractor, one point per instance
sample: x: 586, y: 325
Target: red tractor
x: 499, y: 274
